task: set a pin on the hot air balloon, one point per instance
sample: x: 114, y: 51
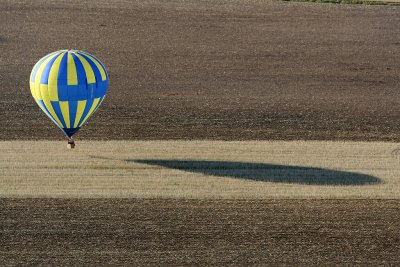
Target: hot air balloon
x: 69, y: 86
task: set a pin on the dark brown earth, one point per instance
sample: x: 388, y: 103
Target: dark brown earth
x: 212, y: 69
x: 67, y: 232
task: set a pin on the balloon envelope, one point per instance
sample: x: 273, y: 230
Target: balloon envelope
x: 69, y: 86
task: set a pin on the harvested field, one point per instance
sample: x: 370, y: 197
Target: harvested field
x: 200, y: 169
x: 239, y: 69
x: 122, y: 232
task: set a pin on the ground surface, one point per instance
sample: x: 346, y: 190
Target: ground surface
x: 212, y: 69
x: 199, y: 233
x: 201, y: 169
x: 205, y: 70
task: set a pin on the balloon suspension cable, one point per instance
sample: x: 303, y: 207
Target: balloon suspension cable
x: 71, y: 143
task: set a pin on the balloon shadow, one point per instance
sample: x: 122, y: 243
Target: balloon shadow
x: 267, y: 172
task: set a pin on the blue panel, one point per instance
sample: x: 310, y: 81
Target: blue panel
x: 57, y: 110
x: 72, y: 92
x: 91, y: 90
x: 62, y: 79
x: 80, y: 71
x: 63, y: 93
x: 86, y: 111
x: 105, y: 87
x: 102, y: 89
x: 73, y: 106
x: 46, y: 71
x: 82, y: 92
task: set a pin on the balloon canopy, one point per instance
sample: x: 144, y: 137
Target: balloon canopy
x: 69, y: 86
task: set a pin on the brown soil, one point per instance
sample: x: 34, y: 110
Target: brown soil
x: 82, y: 232
x: 212, y: 69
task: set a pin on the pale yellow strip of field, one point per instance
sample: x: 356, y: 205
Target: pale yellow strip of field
x: 200, y: 169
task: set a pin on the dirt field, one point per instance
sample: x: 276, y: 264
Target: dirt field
x: 212, y: 69
x: 114, y: 232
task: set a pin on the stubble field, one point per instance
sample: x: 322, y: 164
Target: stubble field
x: 201, y: 169
x: 215, y: 70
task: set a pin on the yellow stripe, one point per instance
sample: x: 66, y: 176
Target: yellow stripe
x: 101, y: 102
x: 96, y: 100
x: 65, y: 112
x: 53, y: 78
x: 39, y: 73
x: 53, y: 114
x: 71, y: 71
x: 47, y: 103
x: 37, y: 63
x: 44, y: 92
x: 102, y: 72
x: 88, y: 69
x: 79, y: 112
x: 32, y: 87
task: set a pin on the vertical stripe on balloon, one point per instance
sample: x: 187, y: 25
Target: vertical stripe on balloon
x: 50, y: 112
x: 62, y: 79
x: 39, y: 75
x: 44, y: 92
x: 65, y: 113
x: 79, y: 70
x: 72, y: 111
x: 90, y: 78
x: 44, y: 79
x: 42, y: 106
x: 50, y: 109
x: 53, y: 78
x: 88, y: 105
x: 32, y: 87
x: 92, y: 108
x: 98, y: 104
x: 57, y: 110
x: 99, y: 67
x: 94, y: 67
x: 36, y: 67
x: 79, y: 112
x: 72, y: 76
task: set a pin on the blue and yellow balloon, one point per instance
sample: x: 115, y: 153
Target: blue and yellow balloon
x: 69, y: 86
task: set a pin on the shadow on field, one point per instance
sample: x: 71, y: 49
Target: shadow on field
x: 266, y: 172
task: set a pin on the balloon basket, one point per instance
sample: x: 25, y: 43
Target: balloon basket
x: 71, y: 144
